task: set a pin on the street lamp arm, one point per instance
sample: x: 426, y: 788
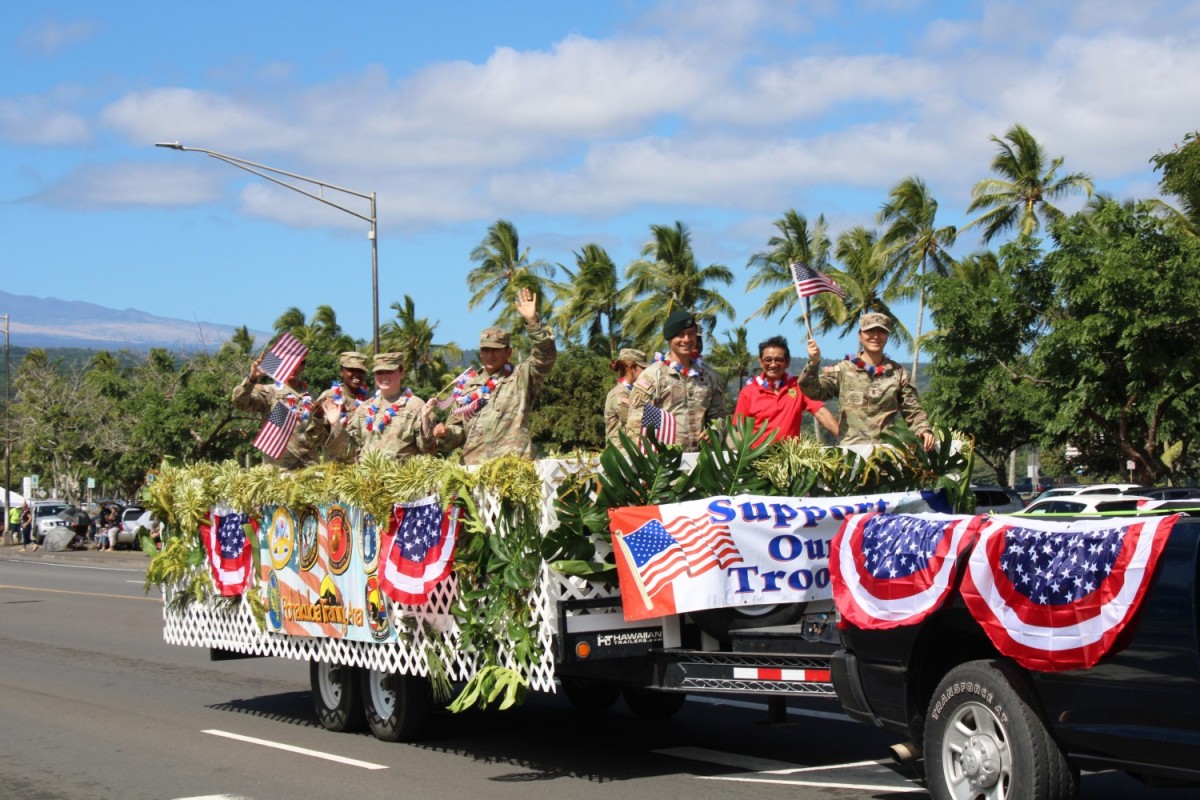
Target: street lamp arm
x: 261, y: 171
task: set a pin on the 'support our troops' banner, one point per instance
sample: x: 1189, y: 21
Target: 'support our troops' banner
x: 736, y: 551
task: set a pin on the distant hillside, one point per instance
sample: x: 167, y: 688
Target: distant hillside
x: 49, y: 322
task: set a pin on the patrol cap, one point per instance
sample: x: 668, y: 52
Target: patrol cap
x: 875, y: 320
x: 493, y: 337
x: 386, y: 362
x: 352, y: 359
x: 679, y: 321
x: 633, y: 356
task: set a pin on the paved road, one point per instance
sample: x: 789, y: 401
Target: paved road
x: 95, y: 705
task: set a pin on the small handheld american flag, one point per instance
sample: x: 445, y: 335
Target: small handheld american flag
x: 663, y: 423
x: 809, y: 281
x: 277, y: 430
x: 286, y: 354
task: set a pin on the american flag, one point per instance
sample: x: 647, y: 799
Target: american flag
x: 657, y: 556
x: 277, y: 430
x: 1056, y: 595
x: 889, y: 570
x: 705, y: 544
x: 420, y: 549
x: 286, y: 354
x: 809, y: 281
x: 661, y: 422
x: 229, y: 555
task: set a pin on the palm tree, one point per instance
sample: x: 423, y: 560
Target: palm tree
x: 241, y: 341
x: 667, y: 278
x: 1024, y: 189
x: 915, y: 243
x: 732, y: 356
x: 589, y: 300
x: 864, y: 278
x: 796, y: 242
x: 504, y: 268
x: 425, y: 362
x: 977, y: 269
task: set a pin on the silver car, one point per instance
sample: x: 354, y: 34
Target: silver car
x: 46, y: 517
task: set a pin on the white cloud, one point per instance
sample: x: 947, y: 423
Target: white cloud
x: 198, y: 118
x: 48, y: 38
x: 40, y: 121
x: 131, y: 185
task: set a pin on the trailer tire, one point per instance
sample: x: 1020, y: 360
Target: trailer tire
x: 398, y: 707
x: 985, y: 738
x: 652, y: 703
x: 590, y: 697
x: 336, y: 691
x: 720, y: 622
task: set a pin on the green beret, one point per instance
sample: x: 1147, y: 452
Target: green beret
x: 677, y: 323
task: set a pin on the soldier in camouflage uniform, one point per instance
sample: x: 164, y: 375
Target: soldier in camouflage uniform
x: 628, y: 365
x: 389, y: 422
x: 304, y: 447
x: 347, y: 394
x: 871, y: 388
x: 679, y: 386
x: 491, y: 413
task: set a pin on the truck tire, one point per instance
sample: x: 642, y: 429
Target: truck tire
x: 719, y: 622
x: 985, y: 739
x: 336, y: 696
x: 398, y: 707
x: 653, y: 704
x: 590, y: 697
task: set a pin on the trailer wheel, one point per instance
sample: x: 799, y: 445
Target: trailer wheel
x: 720, y: 622
x: 653, y: 704
x: 398, y: 707
x: 591, y: 697
x: 985, y: 739
x: 336, y: 696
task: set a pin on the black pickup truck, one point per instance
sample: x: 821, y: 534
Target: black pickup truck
x: 980, y: 726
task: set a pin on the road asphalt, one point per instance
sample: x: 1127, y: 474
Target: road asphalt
x: 123, y: 558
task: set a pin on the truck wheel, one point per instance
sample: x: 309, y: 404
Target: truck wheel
x: 653, y: 704
x: 398, y: 706
x: 591, y: 697
x: 336, y: 697
x: 985, y: 739
x: 719, y: 622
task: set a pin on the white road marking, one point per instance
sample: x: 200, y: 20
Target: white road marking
x: 31, y: 563
x: 725, y: 759
x: 767, y: 767
x: 791, y: 771
x: 353, y: 762
x: 816, y: 784
x: 217, y: 797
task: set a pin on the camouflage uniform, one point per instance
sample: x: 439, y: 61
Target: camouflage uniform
x: 502, y: 425
x: 341, y: 448
x: 304, y: 446
x: 616, y: 411
x: 399, y: 438
x: 867, y: 405
x: 694, y: 401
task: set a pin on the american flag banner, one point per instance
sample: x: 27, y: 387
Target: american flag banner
x: 1056, y: 595
x: 809, y: 281
x: 229, y: 554
x: 890, y: 570
x: 285, y: 355
x: 659, y: 421
x: 729, y: 551
x: 418, y: 550
x: 277, y: 430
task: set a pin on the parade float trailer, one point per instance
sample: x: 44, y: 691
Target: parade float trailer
x: 642, y: 575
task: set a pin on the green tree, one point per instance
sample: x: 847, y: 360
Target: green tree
x: 864, y: 278
x: 916, y: 245
x: 503, y: 269
x: 1180, y: 179
x: 1023, y: 194
x: 795, y: 242
x: 426, y: 363
x: 667, y: 278
x: 588, y: 302
x: 570, y: 409
x: 324, y: 338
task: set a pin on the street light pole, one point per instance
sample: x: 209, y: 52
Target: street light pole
x: 7, y: 432
x: 261, y: 171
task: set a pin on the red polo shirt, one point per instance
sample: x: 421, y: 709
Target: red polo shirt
x: 781, y: 410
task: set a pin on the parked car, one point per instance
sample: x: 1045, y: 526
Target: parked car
x: 1027, y: 488
x: 133, y: 519
x: 46, y: 516
x: 996, y: 500
x: 1172, y: 493
x: 1085, y: 504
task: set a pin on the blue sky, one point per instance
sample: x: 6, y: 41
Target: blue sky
x: 579, y: 122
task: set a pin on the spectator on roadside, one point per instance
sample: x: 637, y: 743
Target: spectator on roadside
x: 12, y: 525
x: 109, y: 527
x: 27, y: 527
x: 773, y: 399
x: 628, y: 365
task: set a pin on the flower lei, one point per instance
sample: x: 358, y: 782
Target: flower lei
x: 339, y: 398
x: 302, y: 404
x: 691, y: 372
x: 767, y: 383
x: 373, y: 422
x: 883, y: 370
x: 477, y: 398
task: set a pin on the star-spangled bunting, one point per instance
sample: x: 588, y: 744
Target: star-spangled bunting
x: 809, y: 281
x: 277, y: 430
x: 889, y: 570
x: 1056, y: 595
x: 285, y: 355
x: 418, y: 550
x: 229, y: 554
x: 661, y: 422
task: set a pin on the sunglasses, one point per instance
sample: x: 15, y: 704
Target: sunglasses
x: 773, y: 360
